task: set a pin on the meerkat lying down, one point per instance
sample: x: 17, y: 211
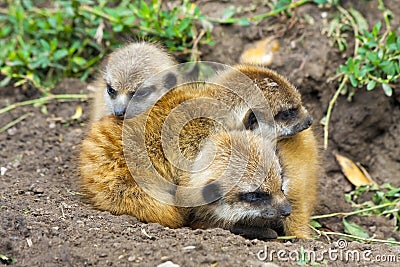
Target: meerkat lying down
x: 112, y: 170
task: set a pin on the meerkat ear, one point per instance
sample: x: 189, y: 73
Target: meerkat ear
x: 250, y: 121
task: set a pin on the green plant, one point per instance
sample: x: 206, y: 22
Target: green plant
x: 382, y: 200
x: 385, y: 196
x: 375, y: 61
x: 40, y: 46
x: 6, y: 260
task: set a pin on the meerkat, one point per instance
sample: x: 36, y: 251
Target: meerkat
x: 284, y: 100
x: 123, y: 77
x: 297, y: 150
x: 111, y: 169
x: 281, y: 205
x: 248, y: 182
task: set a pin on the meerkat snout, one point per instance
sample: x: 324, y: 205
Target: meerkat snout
x: 117, y: 102
x: 292, y: 121
x: 273, y: 209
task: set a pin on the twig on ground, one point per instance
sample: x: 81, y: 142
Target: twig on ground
x: 345, y: 214
x: 14, y: 122
x: 356, y: 237
x: 260, y: 17
x: 43, y: 100
x: 329, y: 111
x: 195, y: 51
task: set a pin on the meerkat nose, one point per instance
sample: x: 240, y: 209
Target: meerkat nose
x: 119, y: 111
x: 309, y: 121
x: 286, y: 209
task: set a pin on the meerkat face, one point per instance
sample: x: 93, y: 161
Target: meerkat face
x: 129, y: 71
x: 284, y: 100
x: 290, y: 116
x: 245, y: 177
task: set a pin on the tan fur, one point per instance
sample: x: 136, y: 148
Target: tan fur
x: 283, y: 98
x: 254, y: 168
x: 105, y: 176
x: 109, y: 184
x: 125, y: 71
x: 300, y: 161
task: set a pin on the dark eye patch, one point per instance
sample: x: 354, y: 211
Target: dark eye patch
x: 212, y: 192
x: 286, y: 115
x: 253, y: 197
x: 111, y: 91
x: 145, y: 91
x: 170, y: 80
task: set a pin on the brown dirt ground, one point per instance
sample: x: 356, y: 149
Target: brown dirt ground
x: 44, y: 221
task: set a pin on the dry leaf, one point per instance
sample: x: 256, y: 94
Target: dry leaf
x: 353, y: 173
x: 261, y: 52
x: 78, y: 113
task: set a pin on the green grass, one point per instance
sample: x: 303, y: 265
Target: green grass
x: 375, y: 62
x: 40, y: 46
x: 382, y: 200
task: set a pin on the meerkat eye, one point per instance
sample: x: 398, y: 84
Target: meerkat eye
x: 250, y: 120
x: 111, y: 91
x: 144, y: 91
x: 286, y: 115
x: 252, y: 197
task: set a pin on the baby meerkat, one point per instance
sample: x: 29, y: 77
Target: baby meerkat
x: 247, y: 177
x: 121, y: 161
x: 281, y: 204
x: 126, y: 168
x: 125, y: 71
x: 284, y: 100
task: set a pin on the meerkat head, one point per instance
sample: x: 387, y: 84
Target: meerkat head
x: 284, y: 100
x: 244, y: 182
x: 128, y: 68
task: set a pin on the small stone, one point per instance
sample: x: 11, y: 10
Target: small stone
x: 131, y: 258
x: 3, y: 171
x: 269, y: 264
x: 12, y: 131
x: 166, y: 258
x: 189, y: 247
x: 168, y: 264
x: 38, y: 190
